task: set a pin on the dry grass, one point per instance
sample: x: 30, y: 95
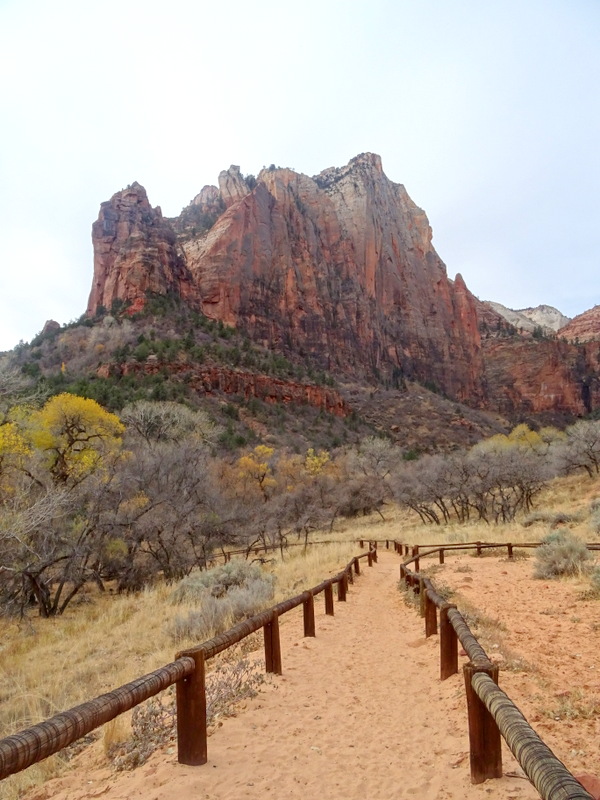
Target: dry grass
x: 105, y: 640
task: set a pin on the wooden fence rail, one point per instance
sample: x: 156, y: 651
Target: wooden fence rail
x: 491, y: 713
x: 187, y: 672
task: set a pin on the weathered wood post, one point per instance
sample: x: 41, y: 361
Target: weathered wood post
x: 430, y: 616
x: 357, y: 565
x: 406, y: 549
x: 192, y: 735
x: 478, y: 548
x: 441, y: 554
x: 370, y: 559
x: 375, y: 553
x: 510, y: 550
x: 362, y: 544
x: 416, y: 563
x: 422, y: 595
x: 308, y: 607
x: 484, y: 734
x: 387, y: 544
x: 342, y: 587
x: 350, y: 574
x: 328, y: 592
x: 272, y: 645
x: 448, y: 644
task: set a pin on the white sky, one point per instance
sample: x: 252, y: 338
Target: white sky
x: 488, y: 112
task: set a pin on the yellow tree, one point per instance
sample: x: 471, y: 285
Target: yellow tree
x: 75, y: 435
x: 13, y: 451
x: 255, y: 470
x: 315, y: 463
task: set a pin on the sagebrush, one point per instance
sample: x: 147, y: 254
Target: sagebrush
x: 561, y: 554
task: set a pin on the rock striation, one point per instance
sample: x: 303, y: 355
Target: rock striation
x: 584, y: 327
x: 338, y: 269
x: 135, y: 252
x: 213, y: 379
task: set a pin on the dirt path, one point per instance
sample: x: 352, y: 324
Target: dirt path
x: 359, y: 712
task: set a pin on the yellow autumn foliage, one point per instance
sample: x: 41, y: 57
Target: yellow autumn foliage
x: 76, y: 435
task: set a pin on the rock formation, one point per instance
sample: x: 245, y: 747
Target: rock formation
x: 584, y: 327
x: 338, y: 269
x: 546, y: 318
x: 217, y: 379
x: 528, y: 376
x: 135, y: 252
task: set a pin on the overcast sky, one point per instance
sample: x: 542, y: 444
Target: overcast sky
x: 488, y: 113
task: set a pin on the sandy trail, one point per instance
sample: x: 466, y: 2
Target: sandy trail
x: 359, y: 712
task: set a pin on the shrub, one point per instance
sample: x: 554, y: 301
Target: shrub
x: 219, y: 580
x: 595, y: 520
x: 595, y: 582
x: 561, y: 553
x: 224, y: 595
x: 552, y: 518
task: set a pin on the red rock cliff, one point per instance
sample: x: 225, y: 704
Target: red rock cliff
x: 135, y: 251
x: 339, y: 268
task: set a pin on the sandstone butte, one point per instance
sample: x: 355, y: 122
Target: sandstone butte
x: 338, y: 268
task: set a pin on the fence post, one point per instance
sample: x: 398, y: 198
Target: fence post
x: 510, y: 550
x: 484, y: 734
x: 191, y: 715
x: 478, y: 548
x: 406, y: 549
x: 430, y: 616
x: 362, y: 544
x: 369, y: 559
x: 272, y: 645
x: 448, y: 644
x: 329, y: 599
x: 375, y: 553
x: 357, y: 565
x: 308, y: 607
x: 387, y: 544
x: 350, y: 574
x: 416, y: 563
x: 342, y: 588
x: 422, y: 596
x: 441, y: 555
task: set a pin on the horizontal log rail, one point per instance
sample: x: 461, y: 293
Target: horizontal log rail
x: 549, y: 775
x: 491, y: 713
x: 23, y: 749
x: 187, y: 672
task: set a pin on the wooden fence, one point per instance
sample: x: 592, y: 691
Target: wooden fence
x: 491, y: 713
x: 187, y: 672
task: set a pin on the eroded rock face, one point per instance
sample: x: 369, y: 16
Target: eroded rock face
x: 528, y: 376
x: 216, y: 379
x: 584, y: 327
x: 135, y: 252
x: 338, y: 268
x: 546, y: 318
